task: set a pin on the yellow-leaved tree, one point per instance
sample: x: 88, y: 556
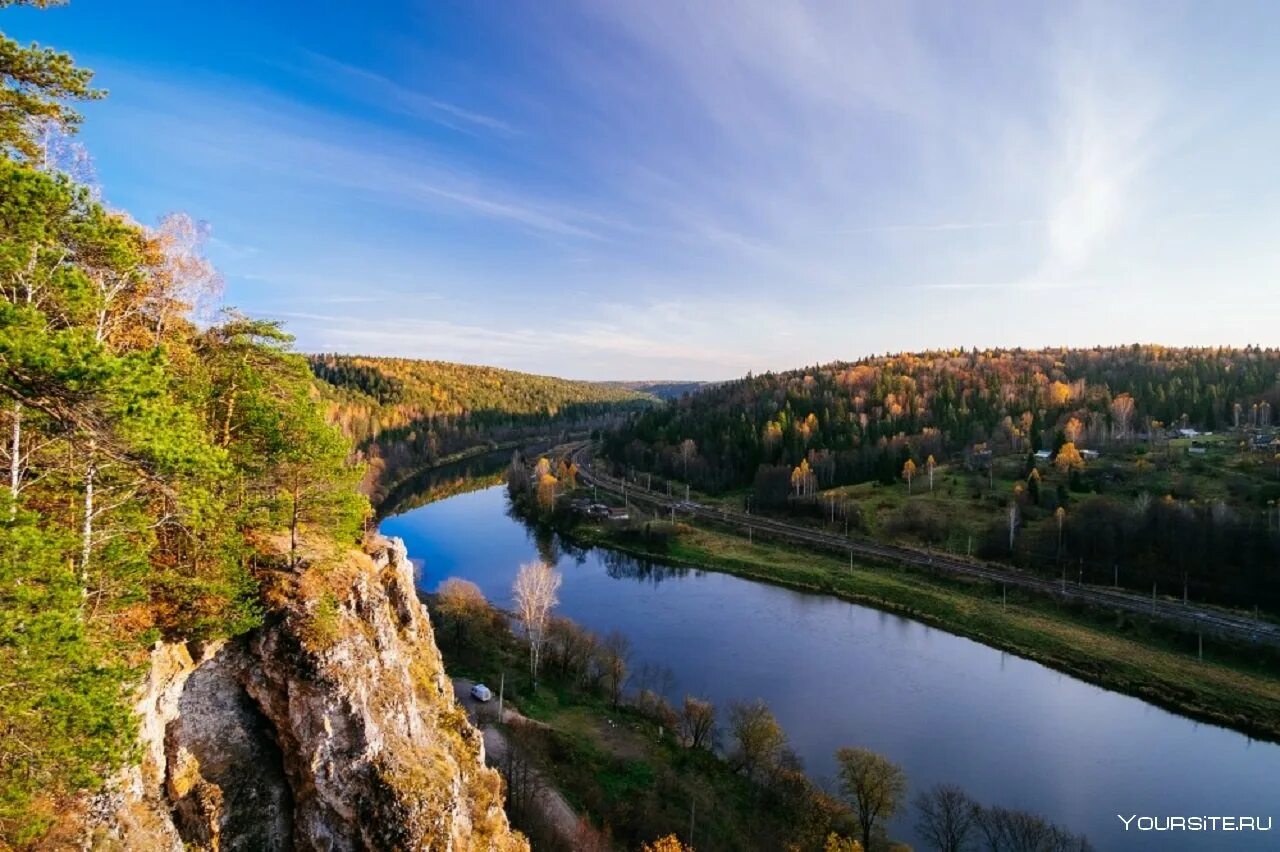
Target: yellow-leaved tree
x: 1068, y: 458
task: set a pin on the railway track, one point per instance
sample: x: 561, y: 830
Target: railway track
x: 1192, y: 617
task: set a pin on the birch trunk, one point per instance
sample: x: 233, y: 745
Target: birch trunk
x: 15, y: 456
x: 86, y: 532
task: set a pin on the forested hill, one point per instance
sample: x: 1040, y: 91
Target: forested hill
x: 859, y: 420
x: 405, y: 414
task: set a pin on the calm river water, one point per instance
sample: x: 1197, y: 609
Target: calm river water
x: 1011, y: 732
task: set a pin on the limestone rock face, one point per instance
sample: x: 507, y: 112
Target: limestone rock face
x: 332, y: 727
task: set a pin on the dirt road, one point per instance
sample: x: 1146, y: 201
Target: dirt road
x: 548, y: 800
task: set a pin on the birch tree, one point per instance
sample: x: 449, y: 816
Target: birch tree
x: 535, y: 596
x: 688, y: 449
x: 1122, y: 408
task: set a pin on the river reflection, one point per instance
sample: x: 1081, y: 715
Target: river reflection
x: 947, y: 709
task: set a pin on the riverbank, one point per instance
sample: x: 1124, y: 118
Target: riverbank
x: 589, y: 771
x: 1233, y: 686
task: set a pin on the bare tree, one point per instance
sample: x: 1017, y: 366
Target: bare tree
x: 1006, y: 830
x: 518, y: 764
x: 698, y: 722
x: 61, y: 154
x: 183, y: 278
x: 535, y: 595
x: 1013, y: 524
x: 615, y: 652
x: 945, y: 817
x: 570, y: 649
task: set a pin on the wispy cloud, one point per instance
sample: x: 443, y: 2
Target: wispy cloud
x: 630, y: 189
x: 1107, y: 109
x: 284, y: 139
x: 378, y: 90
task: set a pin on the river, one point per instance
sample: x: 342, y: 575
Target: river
x: 945, y: 708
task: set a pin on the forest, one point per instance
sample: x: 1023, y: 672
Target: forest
x: 151, y: 461
x: 1136, y: 464
x: 404, y: 414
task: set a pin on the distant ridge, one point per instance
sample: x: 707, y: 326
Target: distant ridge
x: 404, y: 414
x: 667, y: 390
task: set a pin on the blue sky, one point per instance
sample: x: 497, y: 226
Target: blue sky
x: 694, y: 190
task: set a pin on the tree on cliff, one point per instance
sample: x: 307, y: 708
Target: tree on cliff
x: 35, y: 84
x: 535, y: 596
x: 309, y: 460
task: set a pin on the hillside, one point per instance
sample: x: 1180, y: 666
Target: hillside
x: 1138, y: 488
x: 404, y: 414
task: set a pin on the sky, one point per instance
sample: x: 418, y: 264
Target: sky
x: 674, y: 190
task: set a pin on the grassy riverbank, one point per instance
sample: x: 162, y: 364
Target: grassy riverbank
x: 1235, y: 686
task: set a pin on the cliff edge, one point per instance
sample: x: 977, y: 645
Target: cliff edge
x: 333, y: 727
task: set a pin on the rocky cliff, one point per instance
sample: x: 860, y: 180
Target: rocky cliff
x: 331, y: 727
